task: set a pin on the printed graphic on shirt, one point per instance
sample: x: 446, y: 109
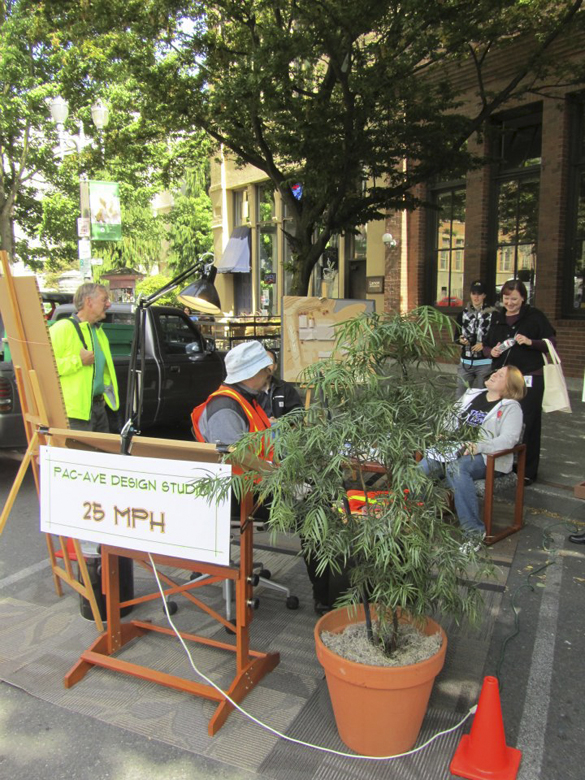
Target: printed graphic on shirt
x: 476, y: 417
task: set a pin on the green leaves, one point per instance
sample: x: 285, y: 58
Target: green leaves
x: 377, y: 401
x: 334, y: 94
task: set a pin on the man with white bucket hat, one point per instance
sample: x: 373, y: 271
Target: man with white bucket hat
x: 233, y: 409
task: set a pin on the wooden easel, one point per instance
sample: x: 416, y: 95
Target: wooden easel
x: 32, y: 356
x: 251, y: 666
x: 46, y: 423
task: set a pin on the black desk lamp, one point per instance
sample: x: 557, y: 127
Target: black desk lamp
x: 200, y: 296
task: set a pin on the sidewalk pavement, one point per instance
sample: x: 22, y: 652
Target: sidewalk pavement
x: 562, y: 461
x: 536, y: 650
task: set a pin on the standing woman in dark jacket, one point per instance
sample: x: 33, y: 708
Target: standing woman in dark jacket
x: 528, y: 327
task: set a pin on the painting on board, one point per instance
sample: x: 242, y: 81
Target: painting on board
x: 308, y: 329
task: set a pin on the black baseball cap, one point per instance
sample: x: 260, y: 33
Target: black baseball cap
x: 477, y: 287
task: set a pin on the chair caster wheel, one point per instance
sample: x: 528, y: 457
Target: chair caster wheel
x: 231, y: 631
x: 172, y: 607
x: 292, y: 602
x: 265, y: 573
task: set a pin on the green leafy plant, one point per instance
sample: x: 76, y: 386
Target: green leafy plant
x: 377, y: 399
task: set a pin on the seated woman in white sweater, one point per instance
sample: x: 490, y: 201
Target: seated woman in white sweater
x: 497, y: 411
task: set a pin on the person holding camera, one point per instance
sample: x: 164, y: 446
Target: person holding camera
x: 516, y: 338
x: 473, y: 324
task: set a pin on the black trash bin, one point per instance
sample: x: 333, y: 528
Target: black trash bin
x: 126, y: 579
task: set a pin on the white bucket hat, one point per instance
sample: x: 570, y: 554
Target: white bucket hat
x: 244, y: 361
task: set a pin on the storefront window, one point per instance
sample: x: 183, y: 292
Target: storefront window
x: 449, y: 246
x: 517, y: 232
x: 575, y: 276
x: 325, y: 277
x: 242, y: 281
x: 517, y: 199
x: 267, y: 252
x: 241, y: 212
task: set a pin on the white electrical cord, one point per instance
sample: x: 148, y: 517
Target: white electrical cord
x: 278, y: 733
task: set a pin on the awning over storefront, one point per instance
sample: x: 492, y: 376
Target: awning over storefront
x: 236, y: 257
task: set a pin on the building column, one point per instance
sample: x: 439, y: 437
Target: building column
x: 552, y: 209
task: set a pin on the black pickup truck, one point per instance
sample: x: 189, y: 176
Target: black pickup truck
x: 181, y: 369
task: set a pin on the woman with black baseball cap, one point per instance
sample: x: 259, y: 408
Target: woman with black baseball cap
x: 473, y: 325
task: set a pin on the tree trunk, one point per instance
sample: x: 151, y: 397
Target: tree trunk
x: 7, y: 231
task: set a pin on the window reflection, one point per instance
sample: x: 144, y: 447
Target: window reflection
x: 517, y: 232
x: 267, y: 251
x: 578, y: 259
x: 579, y: 275
x: 450, y: 247
x: 325, y: 275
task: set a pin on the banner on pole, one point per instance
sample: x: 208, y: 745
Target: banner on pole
x: 106, y: 215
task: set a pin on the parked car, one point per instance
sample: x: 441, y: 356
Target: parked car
x: 450, y: 300
x: 181, y: 369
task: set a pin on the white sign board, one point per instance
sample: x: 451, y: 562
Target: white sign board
x: 84, y: 249
x: 145, y: 504
x: 83, y: 227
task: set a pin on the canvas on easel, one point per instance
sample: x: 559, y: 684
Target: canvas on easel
x: 309, y: 329
x: 42, y: 406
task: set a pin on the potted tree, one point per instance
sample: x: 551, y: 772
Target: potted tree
x: 375, y: 400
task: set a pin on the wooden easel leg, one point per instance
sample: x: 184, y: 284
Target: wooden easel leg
x: 99, y: 647
x: 53, y: 559
x: 81, y: 667
x: 240, y: 687
x: 252, y: 666
x: 31, y: 451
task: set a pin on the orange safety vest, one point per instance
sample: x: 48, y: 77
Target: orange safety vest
x: 257, y: 419
x: 357, y: 500
x: 376, y: 499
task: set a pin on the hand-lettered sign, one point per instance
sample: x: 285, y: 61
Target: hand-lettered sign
x: 145, y: 504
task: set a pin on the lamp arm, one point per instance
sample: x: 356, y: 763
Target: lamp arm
x: 198, y: 265
x: 134, y: 395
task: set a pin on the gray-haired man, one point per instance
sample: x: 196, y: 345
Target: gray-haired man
x: 84, y: 360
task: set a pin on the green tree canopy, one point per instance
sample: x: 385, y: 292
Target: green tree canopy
x: 28, y: 65
x: 43, y: 54
x: 332, y: 94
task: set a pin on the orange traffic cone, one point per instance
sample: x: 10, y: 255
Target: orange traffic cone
x: 483, y: 754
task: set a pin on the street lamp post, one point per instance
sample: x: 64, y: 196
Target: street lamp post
x: 68, y: 143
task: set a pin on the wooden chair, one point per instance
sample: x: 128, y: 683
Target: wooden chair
x: 486, y: 488
x: 491, y: 481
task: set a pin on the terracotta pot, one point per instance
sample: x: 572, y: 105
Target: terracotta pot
x: 378, y: 709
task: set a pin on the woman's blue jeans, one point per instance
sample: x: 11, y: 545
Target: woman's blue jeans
x: 460, y: 476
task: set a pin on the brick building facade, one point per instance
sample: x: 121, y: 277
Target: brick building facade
x: 553, y: 250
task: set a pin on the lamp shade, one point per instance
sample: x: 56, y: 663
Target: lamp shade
x: 100, y: 115
x: 201, y: 295
x: 59, y: 110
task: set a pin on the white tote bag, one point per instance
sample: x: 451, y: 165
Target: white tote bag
x: 556, y: 397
